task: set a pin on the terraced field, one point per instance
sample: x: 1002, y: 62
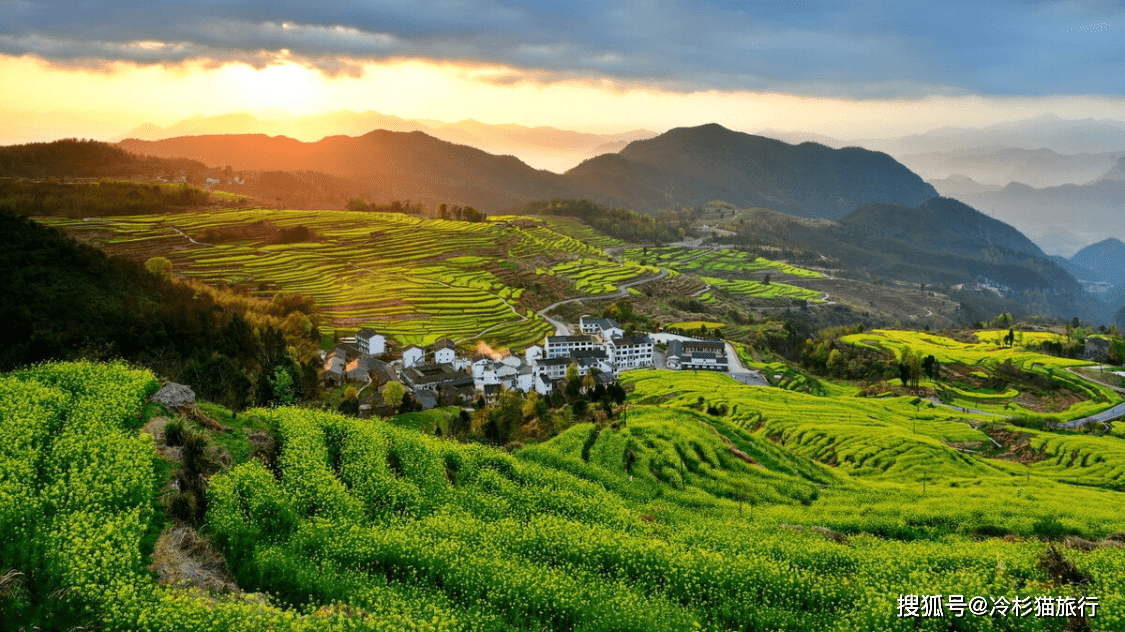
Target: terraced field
x: 973, y: 368
x: 414, y: 279
x: 592, y: 276
x: 753, y: 289
x: 714, y: 262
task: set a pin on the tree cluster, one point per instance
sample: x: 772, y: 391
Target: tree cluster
x: 615, y: 222
x: 103, y: 199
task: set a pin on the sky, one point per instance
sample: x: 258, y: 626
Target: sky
x: 847, y: 69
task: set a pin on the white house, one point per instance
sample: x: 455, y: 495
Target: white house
x: 412, y: 355
x: 542, y: 385
x: 370, y: 342
x: 605, y: 327
x: 532, y: 353
x: 445, y: 351
x: 562, y: 346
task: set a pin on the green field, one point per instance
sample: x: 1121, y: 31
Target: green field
x: 790, y: 512
x: 414, y: 279
x: 978, y: 365
x: 714, y: 262
x: 753, y: 289
x: 692, y: 325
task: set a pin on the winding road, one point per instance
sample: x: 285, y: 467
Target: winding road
x: 622, y: 291
x: 1105, y: 415
x: 1102, y: 417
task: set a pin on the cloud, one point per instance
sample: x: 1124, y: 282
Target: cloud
x: 908, y: 48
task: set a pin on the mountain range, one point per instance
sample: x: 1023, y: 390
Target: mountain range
x: 1063, y: 218
x: 1000, y: 165
x: 682, y: 167
x: 542, y: 147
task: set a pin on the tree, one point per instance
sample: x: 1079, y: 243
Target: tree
x: 1117, y: 350
x: 835, y: 360
x: 159, y: 266
x: 531, y: 406
x: 766, y: 281
x: 393, y: 393
x: 282, y: 383
x: 571, y: 372
x: 588, y: 382
x: 350, y: 404
x: 930, y: 366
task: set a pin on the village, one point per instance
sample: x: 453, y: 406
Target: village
x: 443, y: 376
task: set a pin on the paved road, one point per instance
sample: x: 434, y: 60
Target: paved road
x: 622, y: 291
x: 1103, y: 416
x: 740, y: 371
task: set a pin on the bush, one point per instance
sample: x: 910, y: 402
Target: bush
x: 1050, y: 528
x: 174, y: 432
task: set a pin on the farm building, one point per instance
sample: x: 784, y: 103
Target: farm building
x: 605, y: 327
x: 333, y: 371
x: 434, y: 377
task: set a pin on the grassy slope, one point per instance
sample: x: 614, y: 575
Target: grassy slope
x: 379, y: 527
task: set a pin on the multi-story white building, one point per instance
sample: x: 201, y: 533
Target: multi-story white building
x: 563, y: 346
x: 632, y: 352
x: 371, y: 342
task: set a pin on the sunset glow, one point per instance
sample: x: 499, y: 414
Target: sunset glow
x: 108, y: 100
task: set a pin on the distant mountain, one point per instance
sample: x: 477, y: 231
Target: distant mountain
x: 693, y: 165
x: 957, y: 185
x: 1001, y: 165
x: 685, y: 166
x: 1067, y: 136
x: 1116, y: 172
x: 1061, y: 219
x: 544, y: 147
x: 395, y: 165
x: 1106, y: 258
x: 796, y: 138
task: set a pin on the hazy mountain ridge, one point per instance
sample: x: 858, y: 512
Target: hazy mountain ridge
x: 1063, y: 218
x: 684, y: 166
x: 544, y: 147
x: 1000, y: 165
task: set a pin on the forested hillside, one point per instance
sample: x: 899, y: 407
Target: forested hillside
x: 65, y: 300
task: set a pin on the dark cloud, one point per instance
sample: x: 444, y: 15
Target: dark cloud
x: 820, y: 47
